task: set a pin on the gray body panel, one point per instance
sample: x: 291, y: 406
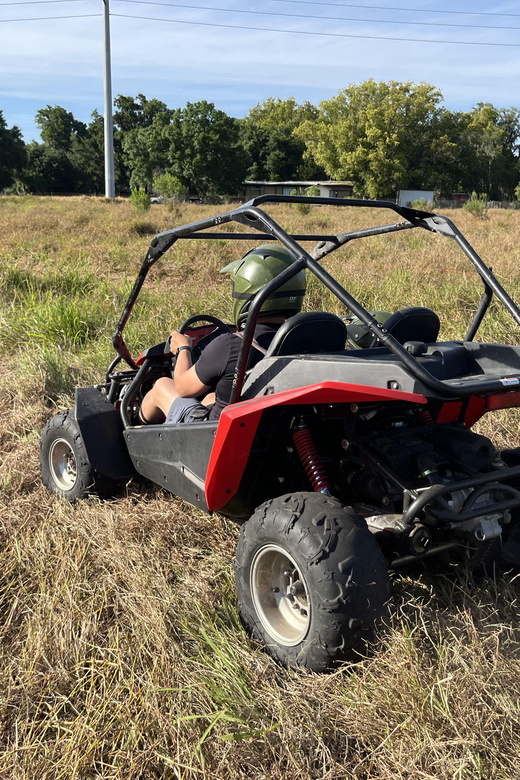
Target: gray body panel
x: 175, y: 457
x: 457, y: 363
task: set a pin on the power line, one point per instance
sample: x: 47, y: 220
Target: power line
x: 406, y: 10
x: 313, y: 2
x: 41, y: 2
x: 325, y: 18
x: 321, y: 34
x: 45, y: 18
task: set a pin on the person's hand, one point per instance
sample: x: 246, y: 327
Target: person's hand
x: 178, y: 340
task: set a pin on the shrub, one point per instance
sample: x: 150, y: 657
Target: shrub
x: 477, y: 205
x: 169, y: 186
x: 140, y: 199
x: 304, y: 208
x: 421, y: 204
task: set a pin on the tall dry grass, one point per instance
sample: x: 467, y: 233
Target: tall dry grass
x: 121, y: 652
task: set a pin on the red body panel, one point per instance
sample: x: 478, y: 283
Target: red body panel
x: 477, y: 407
x: 503, y: 401
x: 475, y: 410
x: 449, y: 412
x: 238, y: 425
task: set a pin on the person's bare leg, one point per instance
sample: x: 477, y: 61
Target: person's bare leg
x: 156, y: 403
x: 209, y: 399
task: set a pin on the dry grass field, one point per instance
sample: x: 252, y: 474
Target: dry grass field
x: 121, y: 652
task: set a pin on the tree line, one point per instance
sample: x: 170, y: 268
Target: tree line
x: 382, y: 136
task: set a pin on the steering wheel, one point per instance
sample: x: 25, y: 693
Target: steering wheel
x: 221, y: 327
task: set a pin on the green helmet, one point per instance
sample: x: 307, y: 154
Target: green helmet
x: 358, y: 333
x: 252, y: 272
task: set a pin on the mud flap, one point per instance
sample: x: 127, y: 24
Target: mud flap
x: 102, y: 431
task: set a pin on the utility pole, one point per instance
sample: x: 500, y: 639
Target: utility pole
x: 110, y: 190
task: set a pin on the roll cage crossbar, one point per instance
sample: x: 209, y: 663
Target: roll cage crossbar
x: 266, y: 229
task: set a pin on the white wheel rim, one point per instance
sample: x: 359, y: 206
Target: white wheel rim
x: 62, y: 464
x: 280, y: 595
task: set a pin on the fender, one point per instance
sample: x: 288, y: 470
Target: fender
x: 238, y: 425
x: 102, y: 431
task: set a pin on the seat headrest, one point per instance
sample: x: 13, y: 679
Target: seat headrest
x: 308, y: 333
x: 415, y: 323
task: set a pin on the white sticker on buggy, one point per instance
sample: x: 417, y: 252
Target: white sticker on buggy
x: 510, y: 380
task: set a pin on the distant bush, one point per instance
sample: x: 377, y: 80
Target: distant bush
x: 304, y: 208
x: 170, y: 187
x: 477, y: 205
x: 140, y: 199
x: 421, y: 204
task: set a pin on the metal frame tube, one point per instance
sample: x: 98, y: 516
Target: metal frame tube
x: 254, y: 217
x: 435, y: 491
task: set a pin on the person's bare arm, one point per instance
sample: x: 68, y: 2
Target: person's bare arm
x: 187, y: 383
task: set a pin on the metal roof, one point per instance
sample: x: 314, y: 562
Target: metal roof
x: 302, y: 183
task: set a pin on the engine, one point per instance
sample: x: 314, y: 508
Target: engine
x: 391, y: 460
x: 382, y: 466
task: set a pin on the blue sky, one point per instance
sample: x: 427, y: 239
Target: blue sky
x: 60, y: 61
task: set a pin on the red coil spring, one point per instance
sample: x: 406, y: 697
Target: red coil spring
x: 310, y: 459
x: 425, y: 417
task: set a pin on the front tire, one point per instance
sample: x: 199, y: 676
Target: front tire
x: 311, y: 580
x: 64, y: 463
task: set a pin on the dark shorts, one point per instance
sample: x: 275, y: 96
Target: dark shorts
x: 186, y: 410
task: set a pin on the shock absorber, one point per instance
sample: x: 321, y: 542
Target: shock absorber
x: 311, y: 461
x: 425, y: 417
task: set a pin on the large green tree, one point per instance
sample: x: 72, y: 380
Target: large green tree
x: 48, y: 170
x: 87, y: 155
x: 132, y: 113
x: 272, y: 150
x: 58, y: 128
x: 71, y: 155
x: 12, y: 153
x: 198, y: 145
x: 144, y: 151
x: 491, y: 136
x: 380, y: 135
x: 138, y: 143
x: 203, y: 150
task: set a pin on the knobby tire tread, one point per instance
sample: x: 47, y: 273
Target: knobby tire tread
x: 89, y: 481
x: 342, y: 564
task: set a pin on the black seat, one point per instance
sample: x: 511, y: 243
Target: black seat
x: 307, y: 333
x: 416, y: 323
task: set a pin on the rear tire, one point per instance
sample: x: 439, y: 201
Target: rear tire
x: 311, y: 580
x: 64, y: 463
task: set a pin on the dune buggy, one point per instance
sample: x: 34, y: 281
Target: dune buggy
x: 340, y: 461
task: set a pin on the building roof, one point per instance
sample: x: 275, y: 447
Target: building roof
x: 302, y: 183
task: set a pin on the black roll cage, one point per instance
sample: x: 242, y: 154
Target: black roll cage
x: 254, y: 218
